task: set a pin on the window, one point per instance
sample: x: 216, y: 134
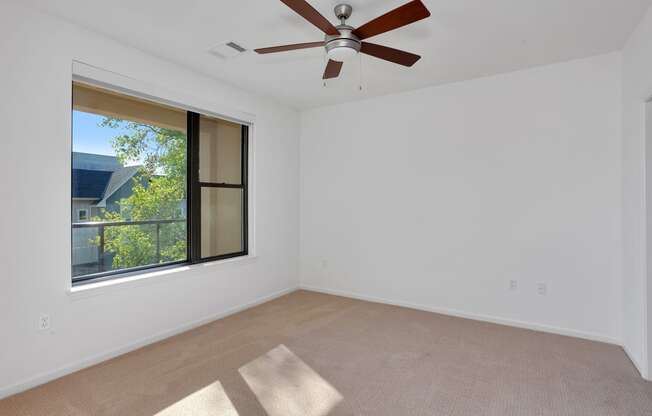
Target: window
x: 222, y: 187
x: 82, y: 215
x: 153, y: 185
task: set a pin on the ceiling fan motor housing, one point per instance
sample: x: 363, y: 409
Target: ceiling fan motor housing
x: 346, y: 39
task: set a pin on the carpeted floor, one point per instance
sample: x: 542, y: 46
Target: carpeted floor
x: 310, y: 354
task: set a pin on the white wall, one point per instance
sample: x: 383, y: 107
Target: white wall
x: 647, y: 316
x: 644, y: 320
x: 36, y: 52
x: 438, y: 197
x: 637, y: 89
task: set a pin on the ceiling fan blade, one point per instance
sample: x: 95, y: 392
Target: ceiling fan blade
x: 332, y: 70
x: 309, y: 13
x: 389, y: 54
x: 284, y: 48
x: 399, y: 17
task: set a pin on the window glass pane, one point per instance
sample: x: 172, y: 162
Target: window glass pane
x: 220, y: 145
x: 128, y: 182
x: 221, y: 221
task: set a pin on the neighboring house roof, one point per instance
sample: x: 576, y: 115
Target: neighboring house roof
x: 98, y: 176
x: 88, y: 183
x: 118, y: 179
x: 90, y: 161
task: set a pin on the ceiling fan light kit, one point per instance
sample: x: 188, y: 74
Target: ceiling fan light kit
x: 343, y: 42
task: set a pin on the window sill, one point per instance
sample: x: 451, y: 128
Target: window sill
x: 142, y: 278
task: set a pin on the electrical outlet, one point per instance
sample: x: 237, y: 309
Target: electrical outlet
x: 44, y: 322
x: 542, y: 289
x: 513, y: 284
x: 324, y: 264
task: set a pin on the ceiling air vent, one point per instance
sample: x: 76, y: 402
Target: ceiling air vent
x: 227, y: 50
x: 236, y: 47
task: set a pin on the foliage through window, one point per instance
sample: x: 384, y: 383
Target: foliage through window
x: 139, y: 189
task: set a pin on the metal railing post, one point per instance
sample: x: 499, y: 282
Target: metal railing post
x: 158, y: 242
x: 100, y: 260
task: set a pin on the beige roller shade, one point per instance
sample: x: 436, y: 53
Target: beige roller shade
x: 107, y: 103
x: 220, y: 146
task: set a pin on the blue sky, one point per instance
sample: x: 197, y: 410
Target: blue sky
x: 88, y: 137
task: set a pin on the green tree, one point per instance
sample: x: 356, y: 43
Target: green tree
x: 159, y: 190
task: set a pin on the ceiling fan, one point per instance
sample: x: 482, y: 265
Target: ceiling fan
x: 343, y: 41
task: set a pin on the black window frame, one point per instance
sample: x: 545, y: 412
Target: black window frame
x: 193, y: 203
x: 194, y: 192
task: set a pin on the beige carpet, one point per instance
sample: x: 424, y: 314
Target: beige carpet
x: 310, y: 354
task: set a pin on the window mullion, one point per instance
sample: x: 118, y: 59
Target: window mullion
x: 194, y: 189
x: 244, y: 180
x: 221, y: 185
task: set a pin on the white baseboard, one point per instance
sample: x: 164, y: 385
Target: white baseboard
x: 87, y: 362
x: 639, y: 367
x: 473, y: 316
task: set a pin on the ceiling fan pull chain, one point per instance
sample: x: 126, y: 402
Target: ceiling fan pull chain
x: 325, y: 64
x: 360, y: 72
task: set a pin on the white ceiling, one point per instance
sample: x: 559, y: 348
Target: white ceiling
x: 463, y: 39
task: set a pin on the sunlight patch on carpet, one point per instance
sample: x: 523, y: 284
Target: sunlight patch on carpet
x: 287, y: 386
x: 210, y: 400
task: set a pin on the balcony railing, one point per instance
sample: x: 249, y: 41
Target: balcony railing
x: 101, y: 226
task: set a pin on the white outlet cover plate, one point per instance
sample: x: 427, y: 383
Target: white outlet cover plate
x: 44, y: 322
